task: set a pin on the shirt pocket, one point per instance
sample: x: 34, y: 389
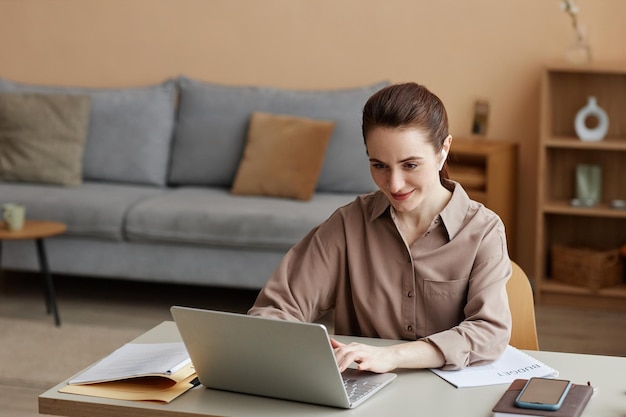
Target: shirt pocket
x: 444, y: 302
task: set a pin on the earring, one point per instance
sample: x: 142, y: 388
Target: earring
x: 444, y: 154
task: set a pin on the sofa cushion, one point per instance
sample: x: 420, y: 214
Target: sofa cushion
x: 213, y: 216
x: 42, y: 137
x: 130, y: 130
x: 213, y: 120
x: 90, y: 209
x: 283, y: 156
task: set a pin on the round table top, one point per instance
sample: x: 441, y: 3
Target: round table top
x: 33, y: 229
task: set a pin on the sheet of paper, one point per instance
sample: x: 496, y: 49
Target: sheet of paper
x: 136, y: 359
x: 513, y: 364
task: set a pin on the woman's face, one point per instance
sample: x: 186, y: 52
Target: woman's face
x: 404, y: 165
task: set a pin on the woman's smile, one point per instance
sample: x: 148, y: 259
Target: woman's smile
x: 401, y: 196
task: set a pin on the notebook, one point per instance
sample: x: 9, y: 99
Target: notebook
x: 573, y: 406
x: 272, y: 358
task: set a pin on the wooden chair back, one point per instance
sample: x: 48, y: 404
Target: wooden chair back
x: 522, y: 304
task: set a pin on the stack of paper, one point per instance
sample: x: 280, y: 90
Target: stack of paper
x: 137, y: 371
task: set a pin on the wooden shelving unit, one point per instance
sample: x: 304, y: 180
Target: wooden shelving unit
x: 565, y: 90
x: 487, y: 170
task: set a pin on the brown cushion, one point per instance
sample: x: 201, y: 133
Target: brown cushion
x: 42, y: 137
x: 283, y: 156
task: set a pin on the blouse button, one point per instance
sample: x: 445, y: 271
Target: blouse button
x: 409, y: 328
x: 409, y: 294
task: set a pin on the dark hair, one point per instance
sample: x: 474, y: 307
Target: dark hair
x: 408, y: 105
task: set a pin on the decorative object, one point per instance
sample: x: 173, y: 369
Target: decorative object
x: 618, y: 204
x: 13, y: 216
x: 481, y: 115
x: 591, y: 110
x: 586, y: 267
x: 588, y: 185
x: 579, y: 51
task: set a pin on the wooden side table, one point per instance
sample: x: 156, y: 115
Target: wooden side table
x: 38, y: 230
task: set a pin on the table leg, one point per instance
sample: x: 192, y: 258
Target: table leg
x: 51, y: 302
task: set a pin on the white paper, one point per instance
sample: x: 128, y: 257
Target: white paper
x: 136, y: 359
x: 513, y: 364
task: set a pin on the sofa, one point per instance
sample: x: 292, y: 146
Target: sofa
x: 151, y: 180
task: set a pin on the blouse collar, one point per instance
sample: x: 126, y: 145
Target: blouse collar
x: 452, y: 215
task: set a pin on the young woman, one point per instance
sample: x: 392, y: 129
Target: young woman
x: 417, y: 260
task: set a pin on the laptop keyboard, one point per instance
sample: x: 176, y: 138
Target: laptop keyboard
x: 357, y: 388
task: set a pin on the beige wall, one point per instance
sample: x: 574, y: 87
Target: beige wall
x: 461, y: 49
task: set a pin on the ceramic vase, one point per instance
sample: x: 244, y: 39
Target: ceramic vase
x: 591, y: 109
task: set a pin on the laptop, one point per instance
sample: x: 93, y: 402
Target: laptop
x: 271, y: 358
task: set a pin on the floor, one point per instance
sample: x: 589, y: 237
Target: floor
x: 143, y: 305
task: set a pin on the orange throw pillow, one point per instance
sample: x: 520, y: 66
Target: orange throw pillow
x: 283, y: 156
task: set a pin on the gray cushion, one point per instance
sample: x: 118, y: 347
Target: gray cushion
x: 213, y: 216
x: 213, y: 121
x: 91, y: 209
x: 130, y: 130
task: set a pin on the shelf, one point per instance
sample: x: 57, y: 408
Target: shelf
x: 472, y: 177
x: 591, y: 68
x: 568, y: 91
x: 565, y: 90
x: 567, y: 142
x: 617, y: 291
x: 487, y: 171
x: 601, y: 210
x: 611, y: 298
x: 477, y: 195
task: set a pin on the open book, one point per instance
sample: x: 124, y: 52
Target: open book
x: 138, y: 371
x: 513, y: 364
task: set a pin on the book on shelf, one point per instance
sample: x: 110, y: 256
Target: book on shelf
x: 575, y: 402
x: 138, y: 371
x: 511, y: 365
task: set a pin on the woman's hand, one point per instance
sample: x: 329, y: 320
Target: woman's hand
x: 417, y: 354
x: 367, y: 357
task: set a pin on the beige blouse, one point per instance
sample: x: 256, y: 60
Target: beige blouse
x: 448, y: 287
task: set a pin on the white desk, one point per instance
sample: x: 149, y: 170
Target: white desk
x: 413, y: 393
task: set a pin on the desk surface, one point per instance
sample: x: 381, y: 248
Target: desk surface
x: 414, y: 392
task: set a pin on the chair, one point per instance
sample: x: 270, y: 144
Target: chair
x: 521, y: 302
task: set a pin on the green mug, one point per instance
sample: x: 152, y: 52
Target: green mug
x: 13, y: 216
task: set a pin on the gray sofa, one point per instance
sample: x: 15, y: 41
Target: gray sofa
x: 154, y: 200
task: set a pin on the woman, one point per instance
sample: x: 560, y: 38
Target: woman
x: 417, y: 260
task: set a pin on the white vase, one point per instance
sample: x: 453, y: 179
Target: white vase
x: 591, y: 110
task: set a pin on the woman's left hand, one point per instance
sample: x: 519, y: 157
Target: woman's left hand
x: 367, y: 357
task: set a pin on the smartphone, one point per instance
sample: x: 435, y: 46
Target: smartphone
x: 543, y: 394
